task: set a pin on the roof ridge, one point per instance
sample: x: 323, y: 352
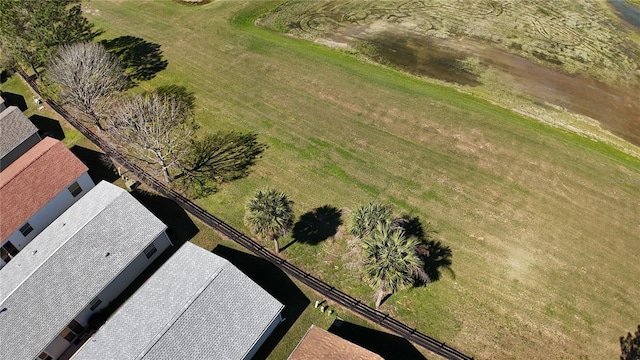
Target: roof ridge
x: 59, y: 247
x: 181, y: 312
x: 122, y: 194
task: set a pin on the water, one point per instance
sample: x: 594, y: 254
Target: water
x: 423, y: 56
x: 628, y: 12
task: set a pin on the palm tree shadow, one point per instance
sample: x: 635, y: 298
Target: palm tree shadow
x: 141, y: 59
x: 316, y: 225
x: 435, y: 255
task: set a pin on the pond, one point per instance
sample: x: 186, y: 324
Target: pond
x: 627, y: 12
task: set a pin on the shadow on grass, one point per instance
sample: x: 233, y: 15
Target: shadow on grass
x: 389, y: 346
x: 435, y: 255
x: 276, y: 283
x: 141, y: 59
x: 630, y: 346
x: 4, y: 76
x: 12, y: 99
x: 316, y: 225
x: 99, y: 169
x: 180, y: 226
x: 48, y: 127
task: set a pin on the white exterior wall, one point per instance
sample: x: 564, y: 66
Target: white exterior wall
x: 45, y: 216
x: 112, y: 291
x: 265, y: 335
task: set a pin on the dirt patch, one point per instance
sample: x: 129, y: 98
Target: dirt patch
x: 420, y: 56
x: 570, y: 55
x: 193, y: 2
x: 616, y: 108
x: 461, y: 60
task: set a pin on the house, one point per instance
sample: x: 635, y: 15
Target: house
x: 318, y: 343
x: 35, y: 190
x: 74, y: 269
x: 196, y: 306
x: 18, y: 135
x: 3, y: 104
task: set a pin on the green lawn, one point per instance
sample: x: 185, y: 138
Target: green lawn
x: 205, y: 237
x: 15, y: 85
x: 543, y: 225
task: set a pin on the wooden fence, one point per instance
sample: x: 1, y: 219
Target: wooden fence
x: 225, y: 229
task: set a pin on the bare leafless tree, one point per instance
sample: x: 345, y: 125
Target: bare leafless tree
x: 88, y: 76
x: 153, y: 128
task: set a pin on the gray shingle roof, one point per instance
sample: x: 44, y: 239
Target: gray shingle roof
x: 58, y: 274
x: 14, y: 129
x: 196, y: 306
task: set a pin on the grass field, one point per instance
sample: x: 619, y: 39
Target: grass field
x: 543, y: 224
x: 184, y: 227
x: 573, y: 65
x: 578, y: 37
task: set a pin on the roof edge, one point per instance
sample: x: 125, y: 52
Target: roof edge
x: 271, y: 322
x: 301, y: 340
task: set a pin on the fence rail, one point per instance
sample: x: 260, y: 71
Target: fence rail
x: 228, y: 231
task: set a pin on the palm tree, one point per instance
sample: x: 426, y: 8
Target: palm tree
x: 365, y: 218
x: 269, y: 215
x: 391, y: 261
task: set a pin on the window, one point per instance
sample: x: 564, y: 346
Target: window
x: 44, y: 356
x: 72, y: 331
x: 26, y: 229
x: 75, y: 189
x: 150, y: 250
x: 75, y: 327
x: 8, y: 251
x: 68, y: 334
x: 95, y: 303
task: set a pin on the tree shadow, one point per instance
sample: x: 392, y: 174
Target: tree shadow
x: 630, y: 346
x: 389, y: 346
x: 276, y: 283
x: 13, y: 99
x: 100, y: 166
x: 317, y: 225
x: 4, y: 76
x: 180, y: 226
x: 141, y: 59
x: 47, y: 127
x: 178, y: 92
x: 435, y: 255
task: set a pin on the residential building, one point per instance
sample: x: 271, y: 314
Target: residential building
x: 35, y: 190
x: 318, y: 343
x: 74, y: 269
x: 18, y: 135
x: 3, y: 104
x: 196, y: 306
